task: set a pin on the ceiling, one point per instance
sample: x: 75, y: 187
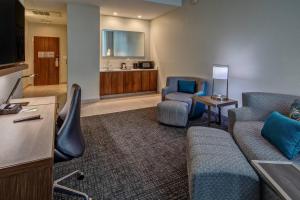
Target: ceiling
x: 132, y: 8
x: 146, y: 9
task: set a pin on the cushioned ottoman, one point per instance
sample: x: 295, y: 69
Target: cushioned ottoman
x: 217, y: 169
x: 173, y: 113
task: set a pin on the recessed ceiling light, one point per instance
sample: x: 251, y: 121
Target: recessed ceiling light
x: 115, y: 13
x: 139, y: 16
x: 194, y: 2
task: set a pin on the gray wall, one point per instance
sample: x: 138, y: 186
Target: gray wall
x: 83, y: 48
x: 259, y: 39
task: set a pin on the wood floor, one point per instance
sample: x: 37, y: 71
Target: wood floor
x: 99, y: 107
x: 120, y: 104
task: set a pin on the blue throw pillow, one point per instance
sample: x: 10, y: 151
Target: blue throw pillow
x: 284, y: 133
x: 186, y: 86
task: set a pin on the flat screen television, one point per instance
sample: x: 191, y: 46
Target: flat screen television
x: 12, y: 30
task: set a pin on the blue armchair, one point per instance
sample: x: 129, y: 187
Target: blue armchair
x: 170, y: 92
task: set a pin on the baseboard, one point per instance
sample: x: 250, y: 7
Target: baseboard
x: 85, y: 101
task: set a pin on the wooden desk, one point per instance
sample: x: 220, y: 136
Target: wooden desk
x: 207, y: 100
x: 26, y: 152
x: 36, y: 101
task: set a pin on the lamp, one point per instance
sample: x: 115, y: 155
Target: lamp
x: 16, y: 86
x: 220, y: 72
x: 8, y: 108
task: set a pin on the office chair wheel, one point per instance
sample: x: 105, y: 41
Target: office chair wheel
x: 80, y: 176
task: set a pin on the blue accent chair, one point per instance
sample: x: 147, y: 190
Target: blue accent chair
x: 170, y: 92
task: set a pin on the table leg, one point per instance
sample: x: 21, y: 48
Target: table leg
x: 220, y: 116
x: 209, y: 115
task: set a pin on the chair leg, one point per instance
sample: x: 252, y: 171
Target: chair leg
x: 62, y: 189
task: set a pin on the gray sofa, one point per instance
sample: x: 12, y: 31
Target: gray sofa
x: 246, y: 123
x: 245, y: 126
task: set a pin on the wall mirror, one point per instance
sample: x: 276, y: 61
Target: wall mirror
x: 123, y: 44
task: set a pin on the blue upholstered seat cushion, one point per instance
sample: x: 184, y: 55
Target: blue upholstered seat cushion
x: 284, y: 133
x: 186, y: 86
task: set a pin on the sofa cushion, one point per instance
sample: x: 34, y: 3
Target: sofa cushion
x: 247, y: 135
x: 186, y: 86
x: 283, y: 133
x: 183, y: 97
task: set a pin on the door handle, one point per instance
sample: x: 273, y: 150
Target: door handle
x: 56, y: 62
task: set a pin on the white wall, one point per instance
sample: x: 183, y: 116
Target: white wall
x: 260, y: 40
x: 125, y: 24
x: 46, y: 30
x: 83, y: 48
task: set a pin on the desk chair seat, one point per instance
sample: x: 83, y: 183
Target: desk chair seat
x: 69, y: 140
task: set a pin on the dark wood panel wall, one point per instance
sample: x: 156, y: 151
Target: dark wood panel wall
x: 112, y: 83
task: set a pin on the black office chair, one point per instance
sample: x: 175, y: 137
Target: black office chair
x: 63, y: 113
x: 69, y: 141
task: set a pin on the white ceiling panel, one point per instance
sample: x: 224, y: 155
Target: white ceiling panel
x: 144, y: 9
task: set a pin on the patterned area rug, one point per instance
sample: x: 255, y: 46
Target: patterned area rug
x: 129, y: 156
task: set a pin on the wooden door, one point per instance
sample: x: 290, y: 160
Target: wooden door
x: 137, y: 81
x: 153, y: 80
x: 46, y: 60
x: 145, y: 81
x: 132, y: 82
x: 128, y: 86
x: 149, y: 81
x: 117, y: 82
x: 105, y: 83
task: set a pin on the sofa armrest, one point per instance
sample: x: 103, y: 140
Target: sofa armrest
x: 244, y: 114
x: 165, y: 91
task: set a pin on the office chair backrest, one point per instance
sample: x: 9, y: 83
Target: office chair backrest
x: 69, y: 139
x: 64, y: 111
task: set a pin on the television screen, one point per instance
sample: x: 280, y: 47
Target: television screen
x: 12, y: 27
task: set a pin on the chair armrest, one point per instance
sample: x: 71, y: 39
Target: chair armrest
x: 245, y: 114
x: 200, y: 93
x: 165, y: 91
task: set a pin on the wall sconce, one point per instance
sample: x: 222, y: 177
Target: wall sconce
x: 220, y: 72
x: 108, y: 53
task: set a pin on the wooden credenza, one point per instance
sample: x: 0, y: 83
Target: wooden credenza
x: 127, y: 82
